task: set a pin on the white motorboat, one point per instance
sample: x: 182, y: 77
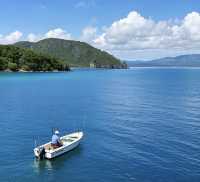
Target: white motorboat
x: 69, y: 142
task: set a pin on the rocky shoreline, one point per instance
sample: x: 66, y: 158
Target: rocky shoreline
x: 24, y: 71
x: 58, y: 71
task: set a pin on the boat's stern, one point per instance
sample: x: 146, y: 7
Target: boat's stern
x: 36, y: 152
x: 39, y: 152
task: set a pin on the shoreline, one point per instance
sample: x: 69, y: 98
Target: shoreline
x: 57, y: 71
x: 20, y: 71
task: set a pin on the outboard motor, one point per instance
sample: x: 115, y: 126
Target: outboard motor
x: 41, y: 153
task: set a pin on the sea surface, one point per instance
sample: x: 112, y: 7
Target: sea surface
x: 141, y: 124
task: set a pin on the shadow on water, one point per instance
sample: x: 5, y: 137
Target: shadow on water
x: 56, y: 163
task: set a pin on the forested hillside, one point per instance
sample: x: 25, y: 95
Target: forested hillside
x: 74, y: 53
x: 13, y: 58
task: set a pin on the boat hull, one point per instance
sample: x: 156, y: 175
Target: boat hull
x: 62, y: 151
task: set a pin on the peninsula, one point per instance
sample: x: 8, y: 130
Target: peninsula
x: 74, y: 53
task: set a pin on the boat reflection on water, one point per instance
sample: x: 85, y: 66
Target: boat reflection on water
x: 40, y: 165
x: 56, y: 163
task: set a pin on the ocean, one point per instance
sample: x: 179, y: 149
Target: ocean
x: 140, y: 124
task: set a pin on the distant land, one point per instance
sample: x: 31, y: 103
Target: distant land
x: 192, y: 60
x: 14, y: 58
x: 74, y: 53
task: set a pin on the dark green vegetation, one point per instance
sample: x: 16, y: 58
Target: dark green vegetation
x: 74, y: 53
x: 192, y: 60
x: 14, y: 58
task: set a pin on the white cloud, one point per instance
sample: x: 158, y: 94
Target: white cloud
x: 89, y: 34
x: 58, y: 33
x: 10, y: 38
x: 54, y: 33
x: 191, y: 25
x: 133, y: 37
x: 13, y: 37
x: 17, y: 36
x: 137, y: 33
x: 33, y: 37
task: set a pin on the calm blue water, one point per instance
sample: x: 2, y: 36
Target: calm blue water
x: 141, y: 124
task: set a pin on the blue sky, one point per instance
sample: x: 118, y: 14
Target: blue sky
x: 71, y: 17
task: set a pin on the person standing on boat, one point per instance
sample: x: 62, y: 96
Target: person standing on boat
x: 56, y: 142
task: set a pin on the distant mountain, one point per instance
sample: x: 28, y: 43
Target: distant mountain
x: 74, y: 53
x: 192, y: 60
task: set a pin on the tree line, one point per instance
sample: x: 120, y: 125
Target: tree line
x: 13, y: 58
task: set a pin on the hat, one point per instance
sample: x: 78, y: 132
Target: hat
x: 57, y: 132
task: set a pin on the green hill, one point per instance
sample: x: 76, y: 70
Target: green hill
x: 14, y: 58
x: 74, y: 53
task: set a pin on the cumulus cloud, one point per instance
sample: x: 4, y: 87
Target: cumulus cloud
x: 17, y: 36
x: 54, y: 33
x: 10, y: 38
x: 58, y: 33
x: 136, y: 32
x: 33, y: 37
x: 89, y: 34
x: 132, y: 37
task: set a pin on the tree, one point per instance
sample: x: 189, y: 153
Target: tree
x: 12, y: 66
x: 3, y: 63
